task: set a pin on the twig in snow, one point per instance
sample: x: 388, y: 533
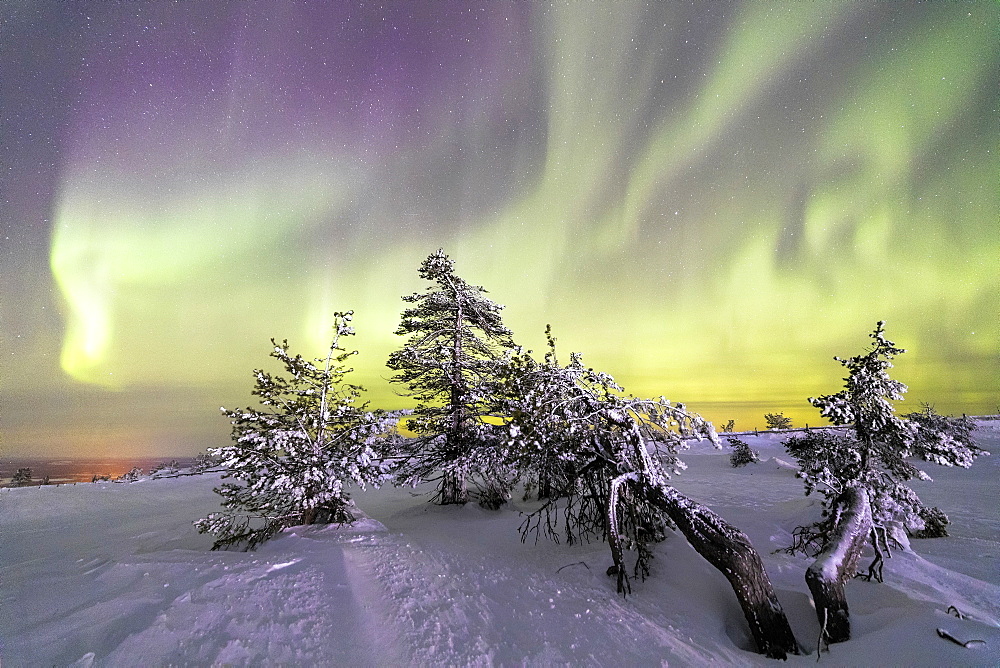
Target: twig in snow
x: 947, y: 636
x: 952, y: 609
x: 577, y: 563
x: 822, y: 637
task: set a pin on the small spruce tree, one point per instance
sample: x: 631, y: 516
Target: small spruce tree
x: 453, y: 354
x: 742, y: 454
x: 861, y: 473
x: 131, y: 476
x: 777, y: 421
x: 22, y: 477
x: 205, y: 462
x: 297, y: 455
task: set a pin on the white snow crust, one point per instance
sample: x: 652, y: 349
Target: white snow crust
x: 112, y: 574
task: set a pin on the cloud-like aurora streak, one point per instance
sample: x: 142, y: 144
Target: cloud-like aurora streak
x: 709, y: 202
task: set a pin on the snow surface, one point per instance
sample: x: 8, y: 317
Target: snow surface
x: 110, y: 574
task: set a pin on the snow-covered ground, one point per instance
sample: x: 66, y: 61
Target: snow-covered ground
x: 115, y: 575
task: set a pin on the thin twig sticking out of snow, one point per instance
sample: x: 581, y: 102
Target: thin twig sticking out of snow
x: 947, y: 636
x: 577, y: 563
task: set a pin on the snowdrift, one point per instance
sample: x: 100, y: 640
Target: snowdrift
x: 115, y: 575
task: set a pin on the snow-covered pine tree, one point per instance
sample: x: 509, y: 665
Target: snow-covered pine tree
x: 743, y: 454
x: 543, y: 446
x: 449, y: 363
x: 204, y: 462
x: 297, y: 455
x: 777, y: 421
x: 165, y: 469
x: 22, y: 477
x: 861, y: 474
x: 606, y: 459
x: 131, y: 476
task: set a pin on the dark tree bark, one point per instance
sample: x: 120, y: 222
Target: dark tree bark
x: 838, y: 563
x: 729, y: 550
x: 453, y: 488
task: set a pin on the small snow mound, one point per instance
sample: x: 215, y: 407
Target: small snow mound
x: 781, y: 463
x: 278, y: 567
x: 366, y: 525
x: 85, y: 661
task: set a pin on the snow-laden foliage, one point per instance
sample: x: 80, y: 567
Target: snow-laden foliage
x: 777, y: 421
x: 572, y: 432
x: 132, y: 476
x: 205, y: 461
x: 296, y: 456
x: 943, y: 440
x: 743, y: 454
x: 165, y: 469
x: 603, y: 460
x: 455, y: 347
x: 22, y: 477
x: 876, y: 446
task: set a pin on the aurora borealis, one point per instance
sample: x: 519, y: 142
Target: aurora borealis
x: 709, y: 200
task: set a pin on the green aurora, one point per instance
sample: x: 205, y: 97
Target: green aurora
x: 708, y: 200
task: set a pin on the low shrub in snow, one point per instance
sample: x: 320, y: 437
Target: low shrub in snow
x: 22, y: 477
x: 742, y: 453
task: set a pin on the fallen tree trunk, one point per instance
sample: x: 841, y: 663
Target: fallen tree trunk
x: 838, y: 562
x: 725, y: 547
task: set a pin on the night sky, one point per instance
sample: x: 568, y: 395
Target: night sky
x: 709, y: 200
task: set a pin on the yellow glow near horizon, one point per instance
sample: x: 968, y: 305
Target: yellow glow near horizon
x: 708, y: 204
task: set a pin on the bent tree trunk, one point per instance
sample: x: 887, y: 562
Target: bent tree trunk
x: 729, y: 550
x: 838, y: 563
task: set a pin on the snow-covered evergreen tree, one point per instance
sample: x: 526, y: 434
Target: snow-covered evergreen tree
x: 862, y: 473
x: 449, y: 363
x: 603, y: 460
x: 297, y: 455
x: 165, y: 469
x: 131, y: 476
x: 777, y: 421
x: 204, y: 462
x: 22, y: 477
x: 743, y: 454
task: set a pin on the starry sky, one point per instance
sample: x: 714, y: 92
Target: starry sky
x: 708, y: 199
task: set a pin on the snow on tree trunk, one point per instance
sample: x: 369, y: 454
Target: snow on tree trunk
x: 838, y: 562
x: 729, y: 550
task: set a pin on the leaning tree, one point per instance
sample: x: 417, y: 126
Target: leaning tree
x: 861, y: 473
x: 605, y: 460
x: 455, y: 346
x: 296, y: 455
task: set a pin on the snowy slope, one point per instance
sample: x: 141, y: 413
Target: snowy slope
x: 114, y: 575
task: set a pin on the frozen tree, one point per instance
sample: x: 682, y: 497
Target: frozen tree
x: 165, y: 469
x: 296, y: 456
x: 607, y: 459
x: 861, y: 473
x: 449, y: 363
x: 542, y: 444
x: 22, y: 477
x: 131, y: 476
x: 205, y: 462
x: 743, y: 454
x: 777, y: 421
